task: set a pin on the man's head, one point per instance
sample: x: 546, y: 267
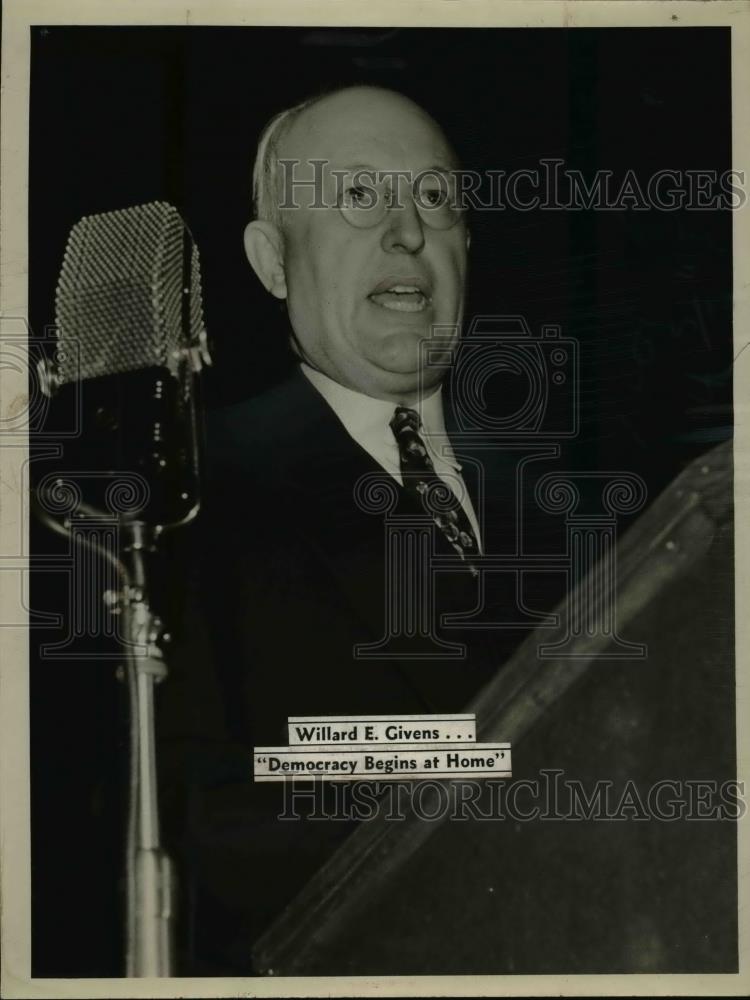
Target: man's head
x: 335, y: 270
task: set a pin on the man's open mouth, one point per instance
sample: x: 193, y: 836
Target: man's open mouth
x: 400, y: 297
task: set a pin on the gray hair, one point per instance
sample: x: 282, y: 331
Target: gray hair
x: 266, y: 188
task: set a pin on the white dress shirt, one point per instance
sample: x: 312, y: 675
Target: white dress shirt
x: 367, y: 421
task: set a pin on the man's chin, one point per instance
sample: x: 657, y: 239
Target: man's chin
x: 402, y: 352
x: 401, y: 373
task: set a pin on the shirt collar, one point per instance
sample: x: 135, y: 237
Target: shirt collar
x: 367, y: 419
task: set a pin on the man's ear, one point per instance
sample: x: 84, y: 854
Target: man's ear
x: 264, y: 249
x: 468, y: 241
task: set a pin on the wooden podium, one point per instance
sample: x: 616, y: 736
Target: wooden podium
x: 634, y: 894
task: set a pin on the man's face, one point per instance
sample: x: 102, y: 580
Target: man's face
x: 348, y: 322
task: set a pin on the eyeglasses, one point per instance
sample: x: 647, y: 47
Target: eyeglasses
x: 364, y: 197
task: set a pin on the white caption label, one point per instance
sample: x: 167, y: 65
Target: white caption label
x: 390, y: 729
x: 357, y: 763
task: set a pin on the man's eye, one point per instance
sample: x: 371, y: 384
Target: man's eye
x: 357, y: 197
x: 433, y: 197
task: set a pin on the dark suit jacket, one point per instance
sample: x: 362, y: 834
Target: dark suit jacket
x: 288, y: 575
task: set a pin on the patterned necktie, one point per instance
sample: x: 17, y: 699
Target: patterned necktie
x: 421, y: 480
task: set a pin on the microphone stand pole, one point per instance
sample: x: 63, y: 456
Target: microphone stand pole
x: 150, y: 881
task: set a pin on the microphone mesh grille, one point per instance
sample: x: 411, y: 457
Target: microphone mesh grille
x: 119, y: 298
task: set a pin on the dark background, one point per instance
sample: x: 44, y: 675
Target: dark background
x: 127, y: 115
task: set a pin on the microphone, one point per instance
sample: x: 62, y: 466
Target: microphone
x: 130, y: 341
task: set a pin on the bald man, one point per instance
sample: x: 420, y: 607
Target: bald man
x: 336, y: 268
x: 356, y: 229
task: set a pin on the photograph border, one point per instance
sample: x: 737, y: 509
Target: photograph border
x: 18, y: 17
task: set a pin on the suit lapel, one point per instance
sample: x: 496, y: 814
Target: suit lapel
x: 316, y: 466
x: 318, y: 475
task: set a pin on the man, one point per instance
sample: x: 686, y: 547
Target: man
x: 294, y: 576
x: 365, y: 286
x: 334, y: 269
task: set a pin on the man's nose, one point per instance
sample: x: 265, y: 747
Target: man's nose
x: 404, y: 232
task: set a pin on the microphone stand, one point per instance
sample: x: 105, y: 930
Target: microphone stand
x: 166, y: 348
x: 150, y: 879
x: 150, y: 885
